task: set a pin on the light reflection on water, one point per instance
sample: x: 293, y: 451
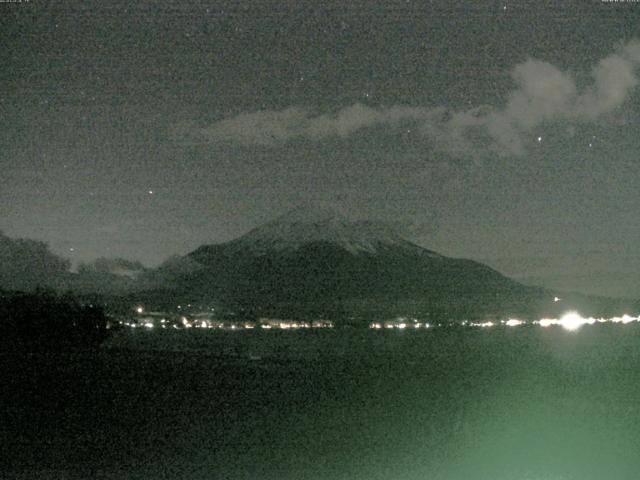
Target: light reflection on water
x: 448, y: 404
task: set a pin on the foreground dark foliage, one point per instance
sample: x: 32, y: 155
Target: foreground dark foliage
x: 44, y: 321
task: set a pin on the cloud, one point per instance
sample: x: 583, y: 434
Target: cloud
x: 613, y: 77
x: 273, y: 126
x: 542, y: 93
x: 113, y: 266
x: 258, y: 128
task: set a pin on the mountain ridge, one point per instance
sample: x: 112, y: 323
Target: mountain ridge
x: 312, y: 257
x: 310, y: 264
x: 311, y: 224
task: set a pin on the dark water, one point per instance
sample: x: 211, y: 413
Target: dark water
x: 503, y: 403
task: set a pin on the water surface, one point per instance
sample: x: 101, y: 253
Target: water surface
x: 453, y: 403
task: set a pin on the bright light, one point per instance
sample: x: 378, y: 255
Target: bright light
x: 624, y: 319
x: 545, y: 322
x: 573, y: 321
x: 556, y: 299
x: 570, y: 321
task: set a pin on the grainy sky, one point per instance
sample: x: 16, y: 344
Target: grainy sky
x: 501, y: 131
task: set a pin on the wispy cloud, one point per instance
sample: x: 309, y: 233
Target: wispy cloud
x: 271, y: 126
x: 542, y: 93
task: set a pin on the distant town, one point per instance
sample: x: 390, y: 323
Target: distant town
x: 208, y: 320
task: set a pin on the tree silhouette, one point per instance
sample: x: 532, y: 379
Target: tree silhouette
x: 44, y: 321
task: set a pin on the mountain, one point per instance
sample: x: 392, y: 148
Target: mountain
x: 310, y: 262
x: 315, y: 260
x: 309, y: 224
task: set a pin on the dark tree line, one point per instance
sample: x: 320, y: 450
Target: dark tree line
x: 45, y: 321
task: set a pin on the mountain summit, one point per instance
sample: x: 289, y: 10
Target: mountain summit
x: 304, y: 225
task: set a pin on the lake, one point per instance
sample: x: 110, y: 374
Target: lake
x: 449, y: 403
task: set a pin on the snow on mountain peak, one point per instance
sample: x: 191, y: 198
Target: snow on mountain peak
x: 315, y: 224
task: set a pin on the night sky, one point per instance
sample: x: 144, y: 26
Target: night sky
x: 505, y: 132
